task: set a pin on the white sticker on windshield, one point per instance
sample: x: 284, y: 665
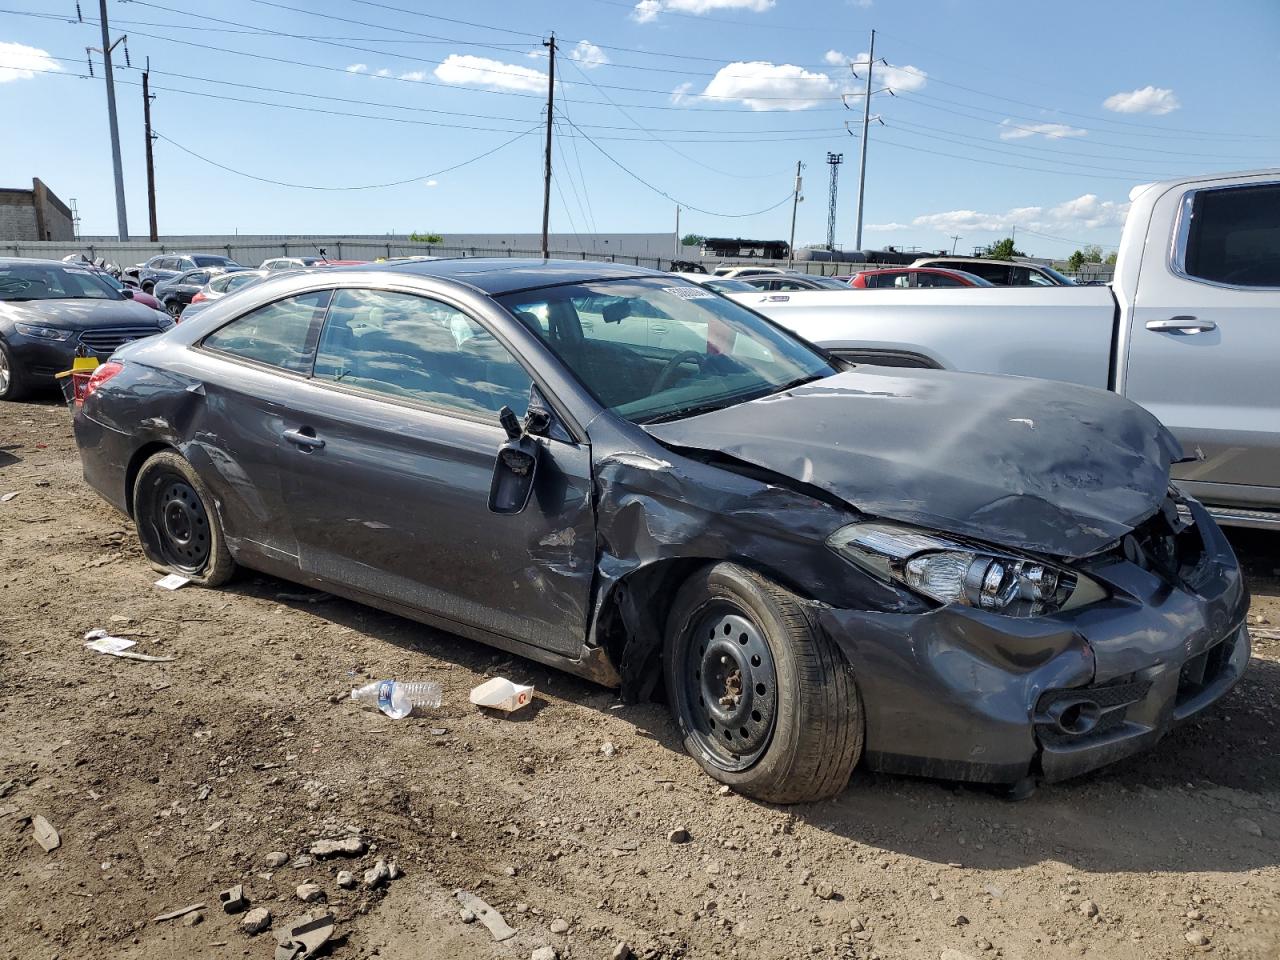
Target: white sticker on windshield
x: 690, y: 293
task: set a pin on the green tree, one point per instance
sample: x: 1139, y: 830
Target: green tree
x: 693, y: 240
x: 426, y: 238
x: 1111, y: 258
x: 1076, y: 261
x: 1092, y: 253
x: 1002, y: 250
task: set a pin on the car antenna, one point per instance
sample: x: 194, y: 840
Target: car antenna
x: 323, y: 256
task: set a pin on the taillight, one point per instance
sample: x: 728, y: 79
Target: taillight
x: 198, y: 297
x: 100, y: 376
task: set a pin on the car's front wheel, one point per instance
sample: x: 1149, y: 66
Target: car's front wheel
x: 764, y: 700
x: 177, y: 523
x: 13, y: 384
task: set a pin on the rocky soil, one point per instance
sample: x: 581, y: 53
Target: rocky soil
x: 580, y: 821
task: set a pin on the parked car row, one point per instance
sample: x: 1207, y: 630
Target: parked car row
x: 935, y: 272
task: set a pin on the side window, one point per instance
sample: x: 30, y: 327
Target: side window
x: 281, y: 334
x: 416, y: 348
x: 997, y: 273
x: 199, y: 278
x: 901, y: 280
x: 1233, y: 236
x: 1037, y: 279
x: 937, y: 280
x: 186, y: 263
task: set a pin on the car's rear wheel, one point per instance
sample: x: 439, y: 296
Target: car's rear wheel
x: 177, y: 523
x: 148, y: 287
x: 13, y: 383
x: 765, y: 702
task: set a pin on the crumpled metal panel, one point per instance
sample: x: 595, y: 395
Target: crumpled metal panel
x: 1027, y: 464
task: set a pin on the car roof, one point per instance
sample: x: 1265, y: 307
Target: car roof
x: 501, y: 275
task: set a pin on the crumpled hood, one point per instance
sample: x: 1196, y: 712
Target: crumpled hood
x: 1029, y: 464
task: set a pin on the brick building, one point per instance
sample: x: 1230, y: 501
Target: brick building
x: 35, y: 214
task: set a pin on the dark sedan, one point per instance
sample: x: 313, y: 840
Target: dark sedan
x: 169, y: 265
x: 176, y: 292
x: 635, y: 479
x: 51, y: 310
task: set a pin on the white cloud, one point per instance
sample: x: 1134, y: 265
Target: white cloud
x: 468, y: 71
x: 1148, y: 99
x: 417, y: 76
x: 358, y: 68
x: 646, y: 11
x: 864, y: 4
x: 432, y: 183
x: 588, y: 55
x: 384, y: 72
x: 1050, y: 131
x: 761, y: 85
x: 19, y: 62
x: 1086, y: 212
x: 680, y: 95
x: 904, y: 79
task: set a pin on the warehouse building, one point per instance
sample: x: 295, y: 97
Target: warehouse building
x: 35, y: 214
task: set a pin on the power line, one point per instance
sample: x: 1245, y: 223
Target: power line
x: 367, y: 186
x: 662, y: 193
x: 997, y: 163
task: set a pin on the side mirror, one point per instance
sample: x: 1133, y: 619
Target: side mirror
x: 127, y: 293
x: 515, y: 468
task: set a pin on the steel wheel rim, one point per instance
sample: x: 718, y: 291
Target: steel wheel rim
x: 730, y: 697
x: 4, y: 372
x: 181, y: 524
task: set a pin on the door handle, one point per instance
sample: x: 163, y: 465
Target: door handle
x: 305, y: 438
x: 1181, y: 325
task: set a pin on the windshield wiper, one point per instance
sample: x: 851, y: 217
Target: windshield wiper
x: 797, y: 382
x: 691, y: 411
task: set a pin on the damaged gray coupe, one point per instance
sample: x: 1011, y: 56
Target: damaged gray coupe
x: 635, y: 479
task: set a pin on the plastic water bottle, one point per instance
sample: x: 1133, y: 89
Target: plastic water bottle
x: 397, y: 698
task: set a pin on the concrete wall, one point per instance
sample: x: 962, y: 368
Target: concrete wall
x: 35, y: 214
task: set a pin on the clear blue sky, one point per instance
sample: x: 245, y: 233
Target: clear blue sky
x: 1038, y: 115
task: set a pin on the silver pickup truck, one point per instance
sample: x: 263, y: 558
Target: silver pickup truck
x: 1190, y: 329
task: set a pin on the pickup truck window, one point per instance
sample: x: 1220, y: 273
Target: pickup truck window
x: 1233, y: 236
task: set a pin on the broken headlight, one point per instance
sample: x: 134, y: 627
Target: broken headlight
x: 950, y: 571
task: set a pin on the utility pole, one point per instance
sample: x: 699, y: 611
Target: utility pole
x: 834, y: 159
x: 955, y: 238
x: 795, y: 202
x: 151, y: 170
x: 866, y: 122
x: 676, y: 255
x: 551, y: 96
x: 122, y: 218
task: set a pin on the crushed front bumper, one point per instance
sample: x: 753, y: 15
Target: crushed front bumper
x: 960, y: 694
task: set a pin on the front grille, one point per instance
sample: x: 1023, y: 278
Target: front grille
x: 105, y: 340
x: 1203, y: 670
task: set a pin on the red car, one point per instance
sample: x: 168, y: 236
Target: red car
x: 903, y: 277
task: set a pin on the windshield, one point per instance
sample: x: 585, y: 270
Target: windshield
x: 203, y: 260
x: 723, y: 285
x: 658, y: 349
x: 46, y: 281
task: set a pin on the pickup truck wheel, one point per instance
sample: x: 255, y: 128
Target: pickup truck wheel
x: 13, y: 383
x: 179, y: 529
x: 764, y: 701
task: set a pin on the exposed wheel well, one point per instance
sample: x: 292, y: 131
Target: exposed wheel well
x: 140, y: 456
x: 632, y: 622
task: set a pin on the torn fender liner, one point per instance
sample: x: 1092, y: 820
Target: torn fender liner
x: 1032, y: 464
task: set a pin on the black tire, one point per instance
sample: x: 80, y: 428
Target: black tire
x: 13, y: 379
x: 148, y: 287
x: 178, y: 523
x: 796, y: 742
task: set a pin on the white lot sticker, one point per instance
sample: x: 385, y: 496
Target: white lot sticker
x: 172, y: 581
x: 689, y: 293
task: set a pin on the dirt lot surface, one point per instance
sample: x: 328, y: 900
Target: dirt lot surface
x: 169, y: 782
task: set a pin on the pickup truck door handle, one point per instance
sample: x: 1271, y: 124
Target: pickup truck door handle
x: 1181, y: 325
x: 305, y: 438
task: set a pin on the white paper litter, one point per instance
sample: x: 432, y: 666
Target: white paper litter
x: 103, y: 642
x: 501, y: 694
x: 172, y: 581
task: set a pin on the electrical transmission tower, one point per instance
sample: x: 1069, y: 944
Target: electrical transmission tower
x: 834, y: 159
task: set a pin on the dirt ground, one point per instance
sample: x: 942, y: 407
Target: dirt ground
x: 169, y: 782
